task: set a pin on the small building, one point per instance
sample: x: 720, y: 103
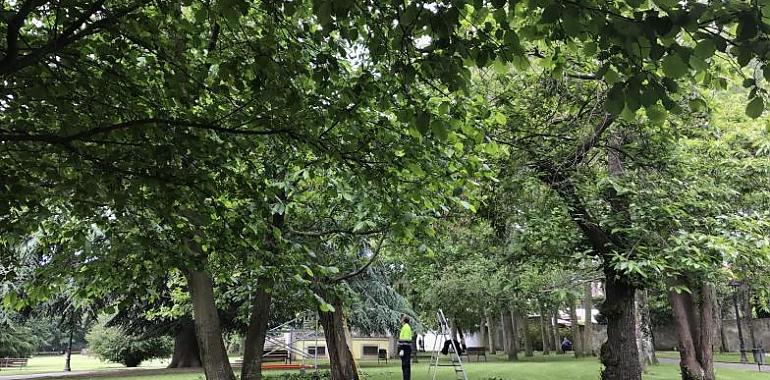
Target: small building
x: 362, y: 347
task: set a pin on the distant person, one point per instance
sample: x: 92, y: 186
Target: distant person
x: 405, y: 347
x: 448, y: 343
x: 420, y: 345
x: 566, y: 345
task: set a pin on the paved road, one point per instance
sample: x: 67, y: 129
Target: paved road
x: 750, y: 367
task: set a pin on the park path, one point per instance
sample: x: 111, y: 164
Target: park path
x: 96, y: 373
x: 750, y: 367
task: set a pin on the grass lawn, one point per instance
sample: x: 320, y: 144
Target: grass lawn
x: 538, y: 368
x: 730, y: 357
x: 42, y: 364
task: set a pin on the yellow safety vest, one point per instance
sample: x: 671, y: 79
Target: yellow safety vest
x: 406, y: 333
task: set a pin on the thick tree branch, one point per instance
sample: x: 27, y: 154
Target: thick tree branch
x: 363, y: 268
x: 87, y: 134
x: 12, y: 63
x: 14, y: 27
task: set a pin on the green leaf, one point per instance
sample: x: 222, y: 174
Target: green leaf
x: 697, y: 104
x: 439, y: 129
x: 611, y: 76
x: 755, y: 107
x: 673, y: 66
x: 705, y: 48
x: 616, y: 100
x: 656, y: 114
x: 590, y: 48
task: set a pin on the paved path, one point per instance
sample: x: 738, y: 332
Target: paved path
x: 97, y: 373
x: 750, y: 367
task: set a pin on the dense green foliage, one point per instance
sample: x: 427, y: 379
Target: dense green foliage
x: 120, y: 346
x: 494, y: 155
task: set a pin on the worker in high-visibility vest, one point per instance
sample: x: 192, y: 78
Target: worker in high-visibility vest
x: 405, y: 347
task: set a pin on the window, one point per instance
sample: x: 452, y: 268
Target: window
x: 370, y: 350
x: 312, y: 350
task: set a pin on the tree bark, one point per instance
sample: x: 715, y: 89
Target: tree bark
x: 510, y: 340
x: 524, y: 323
x: 694, y: 328
x: 343, y: 366
x: 619, y: 354
x: 256, y: 333
x: 68, y: 358
x: 588, y: 330
x: 555, y: 332
x: 741, y: 342
x: 207, y: 327
x: 491, y: 333
x: 261, y: 303
x: 186, y: 350
x: 483, y: 333
x: 577, y: 344
x: 748, y: 316
x: 515, y: 327
x: 504, y: 328
x: 719, y: 321
x: 644, y: 331
x: 545, y: 332
x: 706, y: 349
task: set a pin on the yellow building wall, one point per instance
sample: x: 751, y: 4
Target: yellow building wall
x: 357, y: 346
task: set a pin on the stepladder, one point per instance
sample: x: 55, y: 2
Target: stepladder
x: 452, y: 357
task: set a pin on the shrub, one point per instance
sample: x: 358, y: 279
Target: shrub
x: 16, y: 341
x: 116, y: 345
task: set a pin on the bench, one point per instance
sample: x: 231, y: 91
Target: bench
x: 382, y: 354
x: 13, y: 362
x: 274, y: 356
x: 478, y: 351
x: 277, y: 355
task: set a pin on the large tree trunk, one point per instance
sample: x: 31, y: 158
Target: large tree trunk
x: 555, y: 332
x: 508, y: 342
x: 588, y: 330
x: 719, y: 321
x: 256, y: 333
x: 483, y: 333
x: 748, y: 316
x: 577, y: 343
x: 207, y: 327
x: 694, y: 332
x: 545, y: 332
x: 343, y: 366
x: 186, y: 351
x: 619, y: 354
x: 260, y: 307
x: 491, y: 333
x: 514, y: 333
x: 644, y: 331
x: 524, y: 323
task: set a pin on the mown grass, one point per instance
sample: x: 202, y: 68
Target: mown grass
x: 537, y: 368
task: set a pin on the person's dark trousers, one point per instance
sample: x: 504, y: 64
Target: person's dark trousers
x: 406, y: 360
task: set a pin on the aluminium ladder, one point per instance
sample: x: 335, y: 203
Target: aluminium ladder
x: 444, y: 334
